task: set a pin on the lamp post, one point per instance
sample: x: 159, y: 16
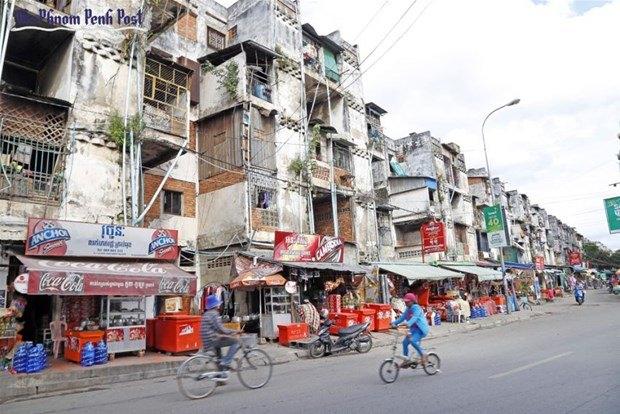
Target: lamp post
x: 486, y: 157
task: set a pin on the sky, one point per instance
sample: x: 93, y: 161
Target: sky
x: 462, y: 59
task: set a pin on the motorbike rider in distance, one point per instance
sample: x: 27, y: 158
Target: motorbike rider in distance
x: 416, y: 321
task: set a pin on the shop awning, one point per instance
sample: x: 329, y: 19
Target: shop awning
x: 336, y: 267
x: 483, y: 273
x: 419, y: 271
x: 102, y: 277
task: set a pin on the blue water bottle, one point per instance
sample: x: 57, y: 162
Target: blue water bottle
x: 87, y: 355
x: 19, y: 359
x: 101, y: 353
x: 32, y: 363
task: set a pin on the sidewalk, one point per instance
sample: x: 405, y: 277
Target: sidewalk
x: 67, y: 376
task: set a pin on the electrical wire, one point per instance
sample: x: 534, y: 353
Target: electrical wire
x: 374, y: 16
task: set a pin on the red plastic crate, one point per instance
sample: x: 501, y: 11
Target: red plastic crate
x: 342, y: 320
x: 291, y: 332
x: 383, y: 315
x: 366, y: 315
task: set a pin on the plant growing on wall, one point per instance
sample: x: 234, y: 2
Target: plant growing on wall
x: 227, y: 77
x: 118, y: 131
x: 315, y: 138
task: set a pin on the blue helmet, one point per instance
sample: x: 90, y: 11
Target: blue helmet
x: 213, y: 302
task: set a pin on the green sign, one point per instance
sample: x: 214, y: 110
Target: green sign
x: 494, y: 220
x: 612, y: 210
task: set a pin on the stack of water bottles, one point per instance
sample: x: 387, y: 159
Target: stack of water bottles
x: 87, y: 355
x: 101, y: 353
x: 479, y: 312
x: 437, y: 318
x: 30, y: 358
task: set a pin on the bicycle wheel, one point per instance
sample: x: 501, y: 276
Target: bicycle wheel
x: 195, y: 377
x: 526, y: 306
x: 388, y: 371
x: 432, y: 365
x: 254, y: 368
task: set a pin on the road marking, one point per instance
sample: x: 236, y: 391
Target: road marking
x: 528, y: 366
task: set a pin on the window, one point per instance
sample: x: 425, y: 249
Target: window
x: 166, y: 97
x: 342, y: 157
x: 172, y: 202
x: 232, y: 34
x: 215, y: 39
x: 385, y: 232
x: 264, y: 198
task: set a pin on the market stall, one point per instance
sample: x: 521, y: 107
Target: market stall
x: 103, y: 299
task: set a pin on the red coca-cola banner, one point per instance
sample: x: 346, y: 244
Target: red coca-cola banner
x: 72, y: 277
x: 574, y: 257
x: 433, y: 237
x: 539, y: 262
x: 295, y: 247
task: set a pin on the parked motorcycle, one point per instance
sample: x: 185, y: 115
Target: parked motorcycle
x: 354, y: 338
x: 580, y: 295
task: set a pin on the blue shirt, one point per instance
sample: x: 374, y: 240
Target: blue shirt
x: 415, y: 318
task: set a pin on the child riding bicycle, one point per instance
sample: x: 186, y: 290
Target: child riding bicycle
x: 415, y: 319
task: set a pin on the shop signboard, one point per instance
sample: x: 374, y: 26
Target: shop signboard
x: 495, y: 225
x: 433, y: 237
x: 574, y: 257
x: 64, y: 277
x: 70, y: 238
x: 612, y: 211
x: 539, y: 262
x: 295, y: 247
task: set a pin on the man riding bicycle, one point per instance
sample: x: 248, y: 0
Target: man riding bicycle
x: 415, y: 319
x: 215, y: 336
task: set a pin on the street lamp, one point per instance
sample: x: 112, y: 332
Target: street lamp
x: 486, y: 157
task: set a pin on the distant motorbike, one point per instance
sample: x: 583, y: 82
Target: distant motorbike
x: 354, y: 338
x: 580, y: 295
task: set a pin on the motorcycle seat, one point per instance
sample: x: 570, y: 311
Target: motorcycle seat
x: 350, y: 330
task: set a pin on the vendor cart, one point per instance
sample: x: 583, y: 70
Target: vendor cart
x: 124, y: 319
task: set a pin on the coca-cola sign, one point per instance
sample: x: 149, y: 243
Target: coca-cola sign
x: 61, y: 283
x: 294, y: 247
x: 177, y: 286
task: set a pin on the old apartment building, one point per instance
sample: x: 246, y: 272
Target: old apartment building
x: 240, y: 121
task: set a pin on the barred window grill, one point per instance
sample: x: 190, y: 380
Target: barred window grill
x: 225, y: 261
x: 166, y: 98
x: 32, y: 139
x: 342, y: 157
x: 215, y: 39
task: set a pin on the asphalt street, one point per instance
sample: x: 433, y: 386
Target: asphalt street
x: 565, y: 362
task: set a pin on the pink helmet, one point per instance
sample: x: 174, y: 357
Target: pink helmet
x: 410, y: 297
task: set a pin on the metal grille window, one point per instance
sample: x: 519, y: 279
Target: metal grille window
x: 219, y: 262
x: 173, y: 202
x: 264, y: 198
x: 32, y: 138
x: 166, y: 97
x: 385, y: 232
x: 342, y: 157
x: 215, y: 39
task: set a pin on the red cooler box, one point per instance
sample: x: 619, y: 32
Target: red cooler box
x: 177, y: 333
x: 150, y: 333
x: 342, y: 320
x: 366, y: 315
x: 383, y: 315
x: 292, y: 331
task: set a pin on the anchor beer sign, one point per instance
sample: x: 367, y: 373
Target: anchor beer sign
x: 69, y: 238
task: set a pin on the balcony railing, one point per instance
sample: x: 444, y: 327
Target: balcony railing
x: 409, y: 252
x: 259, y: 86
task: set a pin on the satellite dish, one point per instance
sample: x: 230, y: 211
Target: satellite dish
x: 290, y: 287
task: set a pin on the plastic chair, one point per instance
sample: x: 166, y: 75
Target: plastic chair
x: 59, y: 330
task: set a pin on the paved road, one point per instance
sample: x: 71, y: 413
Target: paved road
x: 567, y: 362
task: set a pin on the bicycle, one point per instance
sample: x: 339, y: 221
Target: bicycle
x: 526, y: 303
x: 198, y: 376
x: 390, y: 367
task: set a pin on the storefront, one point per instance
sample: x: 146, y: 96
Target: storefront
x: 105, y: 298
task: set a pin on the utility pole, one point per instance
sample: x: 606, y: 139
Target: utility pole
x: 486, y: 157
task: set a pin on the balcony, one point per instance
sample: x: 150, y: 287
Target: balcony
x: 259, y: 85
x: 32, y: 141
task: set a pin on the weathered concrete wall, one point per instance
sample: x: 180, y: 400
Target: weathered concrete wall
x: 416, y: 201
x: 418, y: 154
x: 14, y: 217
x: 254, y: 20
x: 222, y: 215
x: 213, y: 97
x: 55, y: 78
